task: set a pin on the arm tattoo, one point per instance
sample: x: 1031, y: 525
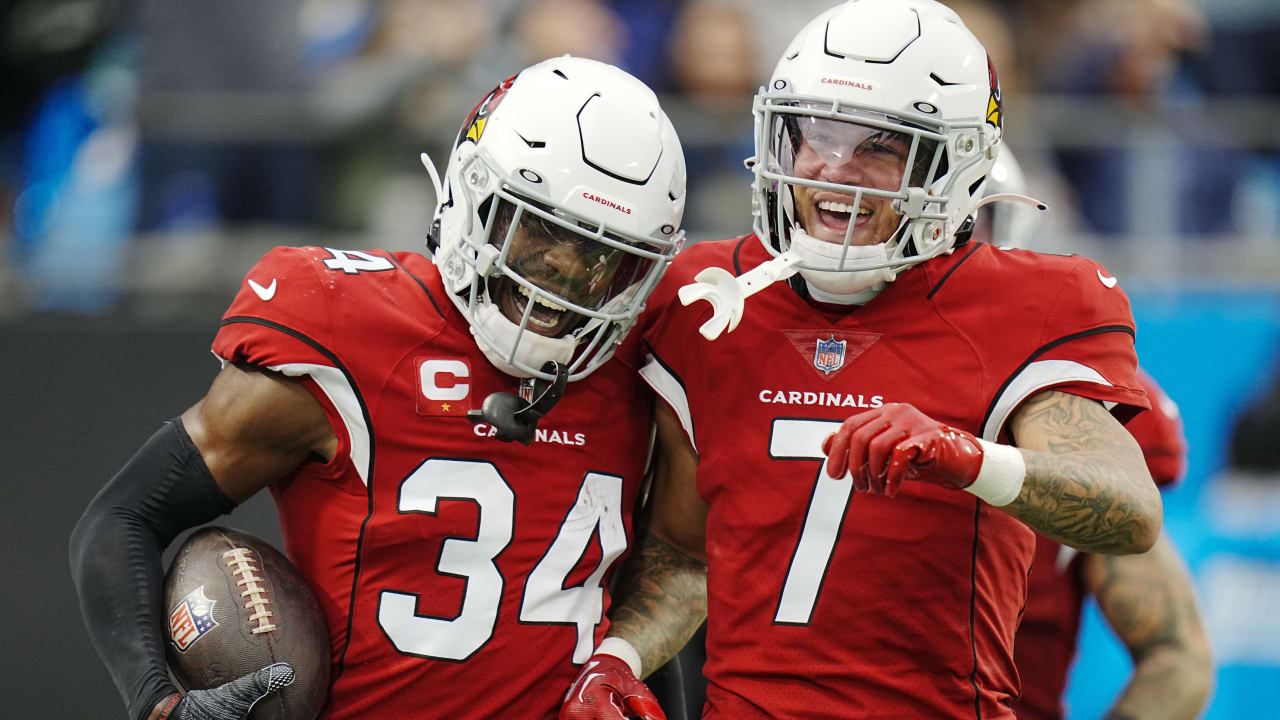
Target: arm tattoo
x: 1087, y: 485
x: 1149, y: 602
x: 660, y: 601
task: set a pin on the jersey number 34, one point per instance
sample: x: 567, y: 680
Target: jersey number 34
x: 546, y: 599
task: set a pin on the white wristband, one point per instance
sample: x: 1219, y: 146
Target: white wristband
x: 623, y: 650
x: 1000, y: 478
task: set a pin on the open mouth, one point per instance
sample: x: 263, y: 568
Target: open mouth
x: 835, y: 215
x: 546, y: 318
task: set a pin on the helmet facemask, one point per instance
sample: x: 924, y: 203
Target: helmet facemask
x: 544, y: 283
x: 860, y: 178
x: 561, y: 206
x: 873, y: 140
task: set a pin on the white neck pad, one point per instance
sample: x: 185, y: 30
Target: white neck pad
x: 818, y: 255
x: 496, y: 335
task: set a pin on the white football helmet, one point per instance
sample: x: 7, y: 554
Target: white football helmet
x: 873, y: 79
x: 561, y: 208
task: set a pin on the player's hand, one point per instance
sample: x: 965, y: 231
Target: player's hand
x: 606, y: 689
x: 231, y: 701
x: 883, y: 446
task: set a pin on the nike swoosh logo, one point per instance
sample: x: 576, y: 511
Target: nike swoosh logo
x: 1106, y: 280
x: 268, y: 292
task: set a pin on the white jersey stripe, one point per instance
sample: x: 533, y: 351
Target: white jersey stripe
x: 1034, y: 378
x: 334, y: 384
x: 669, y: 388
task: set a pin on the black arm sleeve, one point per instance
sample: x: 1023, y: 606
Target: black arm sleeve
x: 117, y: 564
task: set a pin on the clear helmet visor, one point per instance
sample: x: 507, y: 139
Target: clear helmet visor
x: 844, y: 176
x: 557, y: 273
x: 848, y: 152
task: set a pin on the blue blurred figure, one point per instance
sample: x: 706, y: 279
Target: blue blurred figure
x: 72, y: 150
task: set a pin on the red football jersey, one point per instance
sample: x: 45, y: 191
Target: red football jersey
x: 1046, y: 642
x: 1159, y: 434
x: 461, y: 576
x: 828, y: 605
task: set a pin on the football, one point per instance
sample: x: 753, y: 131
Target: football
x: 236, y: 604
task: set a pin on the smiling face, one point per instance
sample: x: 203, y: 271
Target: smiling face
x: 559, y: 261
x: 846, y: 153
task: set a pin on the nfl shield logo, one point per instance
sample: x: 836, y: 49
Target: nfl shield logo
x: 526, y: 389
x: 829, y: 355
x: 191, y: 619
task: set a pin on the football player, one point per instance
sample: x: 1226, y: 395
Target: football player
x: 371, y: 391
x: 968, y: 394
x: 1147, y: 599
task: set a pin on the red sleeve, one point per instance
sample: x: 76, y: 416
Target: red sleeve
x: 281, y: 313
x: 669, y: 330
x: 280, y: 320
x: 668, y: 326
x: 1159, y: 434
x: 1090, y: 324
x: 1083, y: 343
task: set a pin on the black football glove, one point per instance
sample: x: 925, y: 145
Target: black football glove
x: 233, y: 700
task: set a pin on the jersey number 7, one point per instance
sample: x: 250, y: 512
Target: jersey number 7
x: 801, y: 439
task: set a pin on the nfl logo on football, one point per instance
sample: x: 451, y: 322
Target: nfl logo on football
x: 829, y: 355
x: 191, y: 619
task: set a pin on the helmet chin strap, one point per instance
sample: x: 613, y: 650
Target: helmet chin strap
x: 857, y: 287
x: 844, y: 287
x: 1011, y: 197
x: 860, y: 297
x: 513, y: 417
x: 496, y: 335
x: 435, y: 177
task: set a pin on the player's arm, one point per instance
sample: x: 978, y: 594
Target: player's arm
x: 1149, y: 601
x: 1086, y: 483
x: 1074, y: 474
x: 251, y: 428
x: 661, y: 595
x: 255, y: 426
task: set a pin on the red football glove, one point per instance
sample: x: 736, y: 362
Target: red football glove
x: 606, y: 689
x: 888, y: 444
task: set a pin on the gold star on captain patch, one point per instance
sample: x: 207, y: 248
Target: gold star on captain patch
x: 444, y: 407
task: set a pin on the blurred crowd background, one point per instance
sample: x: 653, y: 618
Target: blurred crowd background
x: 151, y: 151
x: 140, y: 136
